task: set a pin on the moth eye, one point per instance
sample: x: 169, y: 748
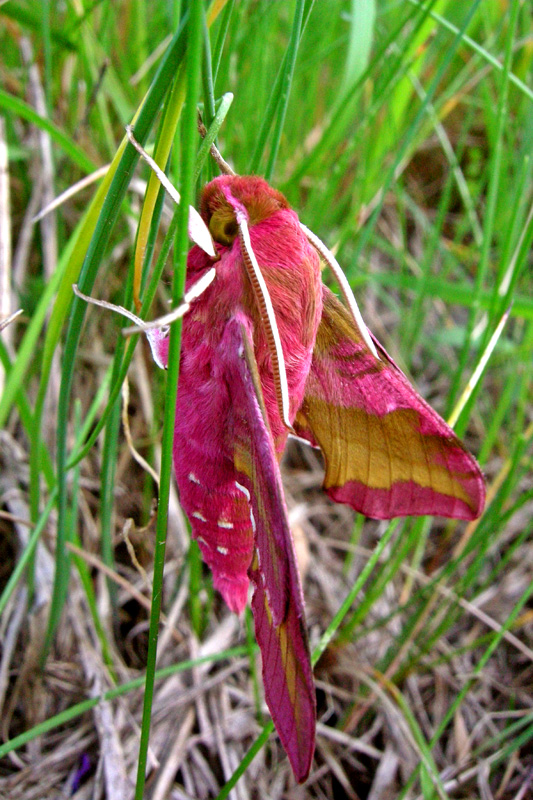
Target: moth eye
x: 223, y: 229
x: 230, y: 230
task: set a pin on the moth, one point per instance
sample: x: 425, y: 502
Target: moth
x: 267, y: 351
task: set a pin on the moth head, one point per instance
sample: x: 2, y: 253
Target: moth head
x: 224, y: 196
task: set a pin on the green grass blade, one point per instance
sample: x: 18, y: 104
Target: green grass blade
x: 274, y: 100
x: 285, y: 86
x: 490, y: 213
x: 28, y: 553
x: 18, y: 107
x: 221, y: 37
x: 194, y: 56
x: 477, y: 48
x: 362, y: 20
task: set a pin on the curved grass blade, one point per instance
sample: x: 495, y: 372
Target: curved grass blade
x: 194, y: 56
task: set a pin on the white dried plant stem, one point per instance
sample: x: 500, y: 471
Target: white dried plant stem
x: 8, y: 320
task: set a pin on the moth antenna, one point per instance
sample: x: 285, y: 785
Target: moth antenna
x: 195, y: 291
x: 141, y: 326
x: 215, y: 153
x: 8, y: 320
x: 345, y: 287
x: 154, y: 330
x: 198, y: 231
x: 266, y: 310
x: 110, y: 306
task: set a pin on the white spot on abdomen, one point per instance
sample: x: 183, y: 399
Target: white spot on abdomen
x: 193, y: 478
x: 198, y: 515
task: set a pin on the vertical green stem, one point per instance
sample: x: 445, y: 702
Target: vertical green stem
x: 292, y: 51
x: 194, y: 56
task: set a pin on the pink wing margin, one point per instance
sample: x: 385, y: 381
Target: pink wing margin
x: 277, y: 603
